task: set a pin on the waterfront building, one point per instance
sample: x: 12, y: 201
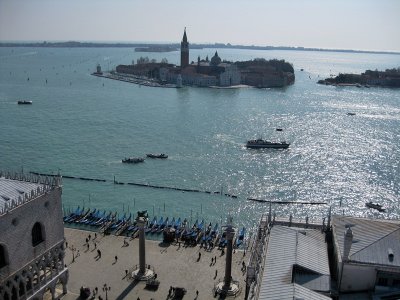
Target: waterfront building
x: 32, y: 238
x: 367, y: 255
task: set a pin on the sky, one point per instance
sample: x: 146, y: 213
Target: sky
x: 330, y: 24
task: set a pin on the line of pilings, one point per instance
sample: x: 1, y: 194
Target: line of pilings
x: 182, y: 189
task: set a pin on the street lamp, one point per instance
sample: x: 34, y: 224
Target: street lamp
x: 106, y: 288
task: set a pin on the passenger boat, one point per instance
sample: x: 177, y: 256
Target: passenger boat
x: 133, y: 160
x: 351, y: 114
x: 24, y: 102
x: 260, y: 143
x: 162, y: 155
x: 376, y: 206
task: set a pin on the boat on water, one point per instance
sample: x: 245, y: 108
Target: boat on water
x: 260, y: 143
x: 24, y: 102
x: 162, y: 155
x: 351, y: 114
x: 133, y: 160
x: 376, y: 206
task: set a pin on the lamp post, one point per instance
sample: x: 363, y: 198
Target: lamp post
x: 106, y: 288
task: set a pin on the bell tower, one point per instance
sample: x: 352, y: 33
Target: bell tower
x: 184, y: 51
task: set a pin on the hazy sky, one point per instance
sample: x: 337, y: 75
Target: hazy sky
x: 342, y: 24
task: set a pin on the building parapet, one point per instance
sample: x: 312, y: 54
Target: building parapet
x: 44, y: 184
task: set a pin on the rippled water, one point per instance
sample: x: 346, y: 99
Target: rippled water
x: 84, y: 125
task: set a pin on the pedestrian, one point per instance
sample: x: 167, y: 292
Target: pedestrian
x: 95, y: 235
x: 87, y: 247
x: 126, y: 272
x: 89, y: 237
x: 95, y: 245
x: 66, y: 244
x: 215, y: 259
x: 116, y: 258
x: 99, y: 253
x: 87, y: 240
x: 199, y: 256
x: 197, y: 293
x: 216, y: 273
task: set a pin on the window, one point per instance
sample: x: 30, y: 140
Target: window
x: 37, y: 234
x: 383, y: 281
x: 3, y: 256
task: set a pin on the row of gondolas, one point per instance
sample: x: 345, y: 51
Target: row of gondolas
x: 207, y: 235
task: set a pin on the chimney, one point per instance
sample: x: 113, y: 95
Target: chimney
x: 348, y: 240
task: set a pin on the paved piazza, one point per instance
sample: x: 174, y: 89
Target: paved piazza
x: 174, y: 264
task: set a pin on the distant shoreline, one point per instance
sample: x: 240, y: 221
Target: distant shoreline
x: 177, y: 46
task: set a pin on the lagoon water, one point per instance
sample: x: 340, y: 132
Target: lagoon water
x: 84, y: 125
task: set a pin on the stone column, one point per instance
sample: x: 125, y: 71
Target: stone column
x: 142, y: 245
x: 142, y: 273
x: 228, y: 263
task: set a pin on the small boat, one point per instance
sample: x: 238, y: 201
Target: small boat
x: 24, y: 102
x: 240, y: 237
x: 376, y: 206
x: 260, y: 143
x: 151, y: 225
x: 162, y: 155
x: 133, y: 160
x: 351, y: 114
x: 279, y: 129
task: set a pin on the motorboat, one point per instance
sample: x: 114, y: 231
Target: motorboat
x: 24, y: 102
x: 376, y: 206
x: 133, y: 160
x: 162, y: 155
x: 260, y: 143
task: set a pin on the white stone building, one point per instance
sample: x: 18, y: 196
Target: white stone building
x: 31, y: 238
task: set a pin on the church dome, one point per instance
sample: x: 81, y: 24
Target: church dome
x: 215, y: 60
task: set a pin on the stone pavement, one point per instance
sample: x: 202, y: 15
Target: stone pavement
x: 176, y: 266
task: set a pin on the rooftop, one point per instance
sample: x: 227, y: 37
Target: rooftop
x: 372, y: 239
x: 296, y: 264
x: 11, y: 190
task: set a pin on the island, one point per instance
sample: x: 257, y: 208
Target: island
x: 205, y: 72
x: 387, y: 78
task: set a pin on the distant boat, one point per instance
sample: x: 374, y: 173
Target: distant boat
x: 260, y: 143
x: 351, y: 114
x: 376, y: 206
x: 133, y: 160
x: 24, y: 102
x: 279, y: 129
x: 162, y: 155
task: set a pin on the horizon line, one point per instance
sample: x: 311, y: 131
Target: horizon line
x: 228, y: 45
